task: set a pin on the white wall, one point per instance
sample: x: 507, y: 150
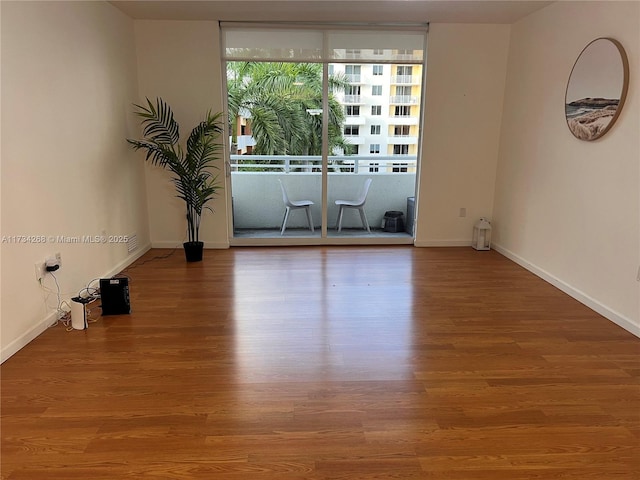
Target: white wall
x: 466, y: 70
x: 569, y: 209
x: 180, y: 62
x: 68, y: 80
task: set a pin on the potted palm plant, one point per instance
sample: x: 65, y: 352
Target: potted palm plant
x: 192, y: 168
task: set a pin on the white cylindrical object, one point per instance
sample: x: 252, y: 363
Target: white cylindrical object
x: 78, y: 315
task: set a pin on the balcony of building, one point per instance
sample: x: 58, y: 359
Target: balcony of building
x: 257, y: 199
x: 402, y: 120
x: 244, y: 143
x: 354, y: 139
x: 352, y: 99
x: 404, y: 80
x: 402, y: 139
x: 404, y: 100
x: 355, y: 120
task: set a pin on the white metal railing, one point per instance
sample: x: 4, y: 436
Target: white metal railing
x: 407, y: 56
x: 352, y: 99
x: 404, y: 99
x: 404, y: 120
x: 313, y: 163
x: 353, y: 77
x: 403, y: 139
x: 399, y: 79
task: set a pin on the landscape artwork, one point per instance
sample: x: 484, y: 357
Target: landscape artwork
x: 596, y: 89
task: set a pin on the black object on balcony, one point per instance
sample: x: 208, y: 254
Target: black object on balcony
x: 393, y: 221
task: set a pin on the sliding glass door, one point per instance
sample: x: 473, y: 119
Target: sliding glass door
x: 323, y: 132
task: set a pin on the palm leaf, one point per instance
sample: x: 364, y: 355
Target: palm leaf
x: 206, y: 131
x: 158, y: 122
x: 157, y: 154
x: 270, y: 139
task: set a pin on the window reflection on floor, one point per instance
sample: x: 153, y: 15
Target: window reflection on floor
x: 303, y: 313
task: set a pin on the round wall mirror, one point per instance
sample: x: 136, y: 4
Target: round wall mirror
x: 596, y: 89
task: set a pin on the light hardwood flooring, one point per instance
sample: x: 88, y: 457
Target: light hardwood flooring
x: 329, y: 363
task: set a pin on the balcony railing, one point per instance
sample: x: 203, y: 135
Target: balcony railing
x: 257, y: 198
x: 353, y: 77
x: 404, y: 99
x: 403, y: 139
x: 402, y: 79
x: 354, y: 139
x: 355, y: 119
x: 404, y: 120
x: 313, y: 163
x: 408, y: 56
x: 352, y: 99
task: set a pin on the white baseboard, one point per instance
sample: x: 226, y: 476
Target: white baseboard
x: 580, y: 296
x: 443, y: 243
x: 20, y: 342
x: 212, y: 245
x: 127, y: 261
x: 171, y: 245
x: 50, y: 318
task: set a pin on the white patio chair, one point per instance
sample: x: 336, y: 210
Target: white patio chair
x: 358, y: 203
x: 293, y: 204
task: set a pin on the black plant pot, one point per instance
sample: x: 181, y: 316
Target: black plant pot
x: 193, y: 251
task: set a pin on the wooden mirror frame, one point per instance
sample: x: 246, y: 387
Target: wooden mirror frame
x: 590, y: 124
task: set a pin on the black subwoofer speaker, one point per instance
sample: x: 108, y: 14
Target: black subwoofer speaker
x: 114, y: 293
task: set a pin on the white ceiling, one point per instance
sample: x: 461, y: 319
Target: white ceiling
x: 361, y: 11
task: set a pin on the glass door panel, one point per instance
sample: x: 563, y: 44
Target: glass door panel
x: 275, y: 111
x: 324, y: 132
x: 381, y: 105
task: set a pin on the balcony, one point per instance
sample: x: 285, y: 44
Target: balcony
x: 404, y: 100
x: 353, y: 77
x: 355, y: 120
x: 354, y: 139
x: 403, y: 140
x: 351, y: 99
x: 404, y: 80
x: 408, y: 56
x: 257, y: 200
x: 401, y: 120
x: 244, y: 141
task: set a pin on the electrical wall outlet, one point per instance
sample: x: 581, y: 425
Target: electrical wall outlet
x: 463, y: 212
x: 52, y: 264
x: 41, y: 270
x: 41, y: 267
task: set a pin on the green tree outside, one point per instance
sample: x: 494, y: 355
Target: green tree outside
x: 277, y: 97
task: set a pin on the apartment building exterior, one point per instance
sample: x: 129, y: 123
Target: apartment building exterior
x: 382, y: 109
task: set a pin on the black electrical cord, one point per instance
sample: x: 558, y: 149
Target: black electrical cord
x: 148, y: 260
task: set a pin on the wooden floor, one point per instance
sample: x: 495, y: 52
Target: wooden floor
x: 329, y: 363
